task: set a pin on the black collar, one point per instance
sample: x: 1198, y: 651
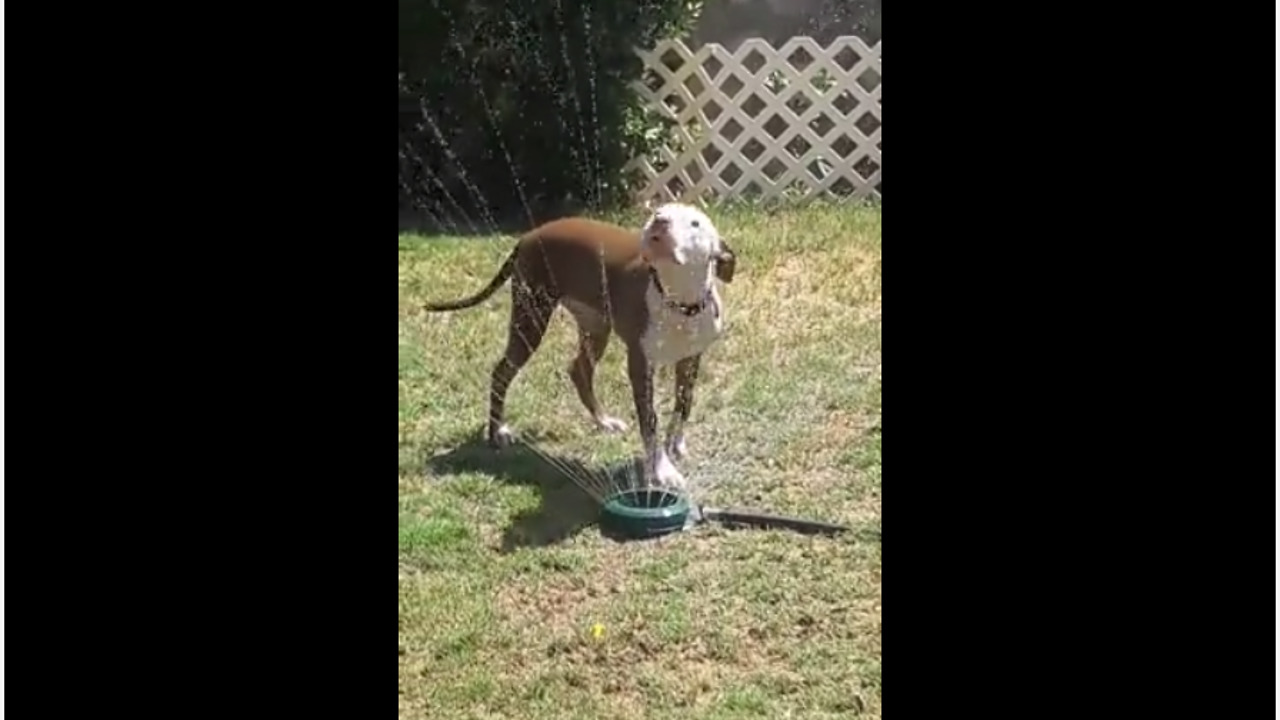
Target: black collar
x: 687, y: 309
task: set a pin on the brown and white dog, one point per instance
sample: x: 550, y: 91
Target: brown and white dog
x: 654, y: 288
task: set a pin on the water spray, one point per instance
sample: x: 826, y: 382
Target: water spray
x: 641, y: 514
x: 630, y: 509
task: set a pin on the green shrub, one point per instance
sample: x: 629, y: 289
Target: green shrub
x: 532, y: 99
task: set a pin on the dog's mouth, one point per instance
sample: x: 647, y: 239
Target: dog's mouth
x: 663, y: 248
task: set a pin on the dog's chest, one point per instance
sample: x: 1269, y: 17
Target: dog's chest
x: 673, y: 336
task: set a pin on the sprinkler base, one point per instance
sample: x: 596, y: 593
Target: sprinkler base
x: 640, y: 514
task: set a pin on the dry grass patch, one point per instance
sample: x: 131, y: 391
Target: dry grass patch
x: 502, y: 575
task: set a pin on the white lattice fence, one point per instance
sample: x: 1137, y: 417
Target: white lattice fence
x: 798, y: 121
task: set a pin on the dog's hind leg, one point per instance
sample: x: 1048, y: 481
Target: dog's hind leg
x: 593, y: 339
x: 530, y: 314
x: 591, y: 347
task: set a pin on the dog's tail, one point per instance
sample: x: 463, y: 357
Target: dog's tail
x: 504, y: 273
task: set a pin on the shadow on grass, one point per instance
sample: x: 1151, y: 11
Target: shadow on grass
x: 565, y: 508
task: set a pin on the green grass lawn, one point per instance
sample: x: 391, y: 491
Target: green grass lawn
x: 502, y: 573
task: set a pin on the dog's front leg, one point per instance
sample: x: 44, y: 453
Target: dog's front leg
x: 658, y: 468
x: 686, y: 378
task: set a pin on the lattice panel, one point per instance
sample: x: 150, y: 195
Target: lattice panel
x: 799, y: 121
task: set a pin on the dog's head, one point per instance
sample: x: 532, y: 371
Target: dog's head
x: 681, y: 234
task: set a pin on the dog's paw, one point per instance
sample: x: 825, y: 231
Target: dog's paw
x: 667, y: 476
x: 610, y: 424
x: 502, y: 437
x: 677, y: 448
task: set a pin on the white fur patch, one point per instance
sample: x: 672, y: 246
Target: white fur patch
x: 673, y: 335
x: 504, y: 436
x: 664, y: 473
x: 676, y: 446
x: 610, y: 424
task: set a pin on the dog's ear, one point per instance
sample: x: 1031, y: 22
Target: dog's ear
x: 725, y: 263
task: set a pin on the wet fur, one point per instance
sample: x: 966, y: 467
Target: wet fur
x: 600, y: 273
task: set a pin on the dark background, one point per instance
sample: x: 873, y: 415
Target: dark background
x: 196, y: 265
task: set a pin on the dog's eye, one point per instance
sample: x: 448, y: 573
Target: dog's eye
x: 694, y: 223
